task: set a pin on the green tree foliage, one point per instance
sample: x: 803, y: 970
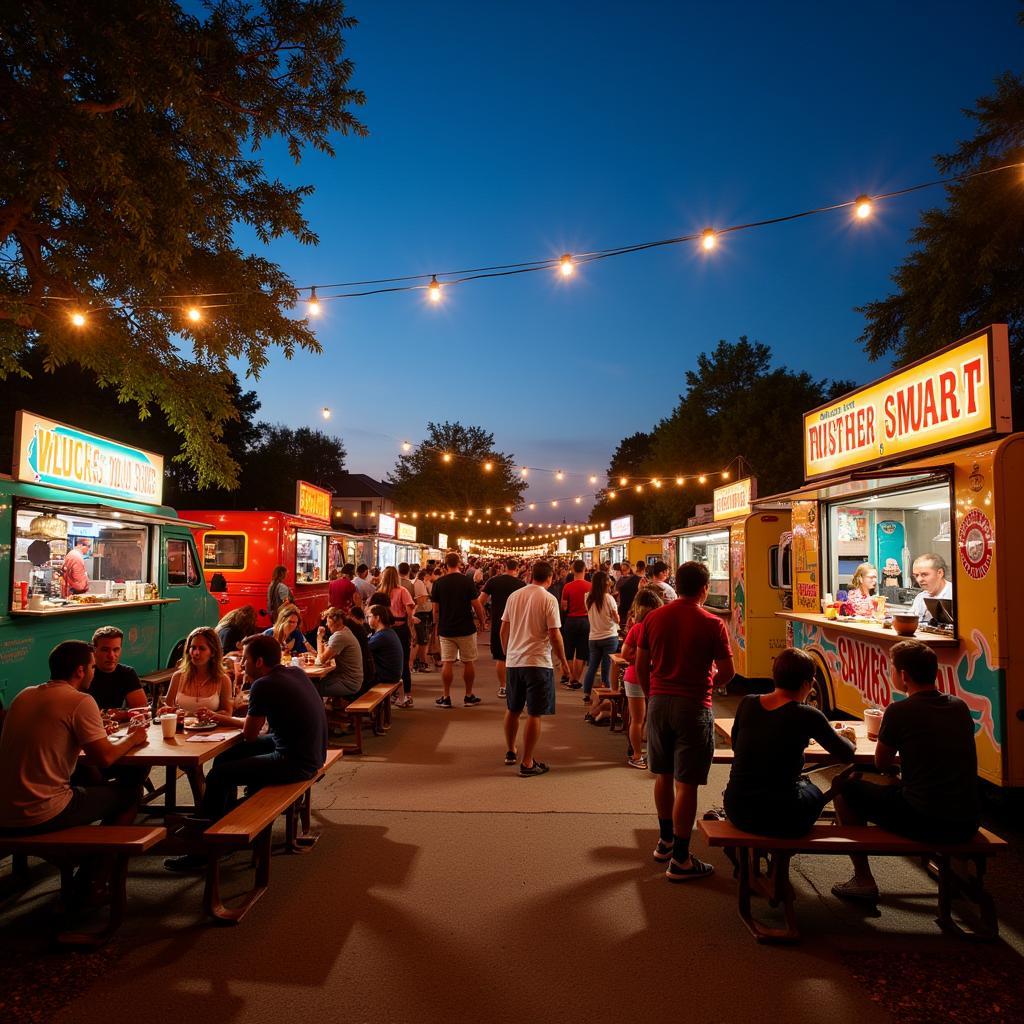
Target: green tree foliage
x: 735, y: 404
x: 129, y: 136
x: 966, y: 269
x: 423, y: 482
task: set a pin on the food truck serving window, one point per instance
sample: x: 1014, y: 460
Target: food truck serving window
x: 224, y: 551
x: 900, y: 542
x: 64, y: 558
x: 310, y: 557
x: 713, y: 550
x: 181, y: 566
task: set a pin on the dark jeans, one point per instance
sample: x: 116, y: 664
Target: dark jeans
x: 255, y: 765
x: 601, y: 652
x: 105, y: 803
x: 402, y: 629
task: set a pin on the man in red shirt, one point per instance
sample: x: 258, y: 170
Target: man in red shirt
x: 342, y: 592
x: 576, y: 629
x: 679, y: 645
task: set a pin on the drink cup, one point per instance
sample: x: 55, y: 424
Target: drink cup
x: 873, y: 721
x: 169, y: 726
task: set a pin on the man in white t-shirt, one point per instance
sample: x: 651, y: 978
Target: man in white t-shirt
x: 46, y: 729
x: 530, y: 630
x: 930, y: 575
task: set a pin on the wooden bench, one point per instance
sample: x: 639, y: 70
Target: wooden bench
x: 251, y: 824
x: 68, y: 848
x: 374, y: 705
x: 953, y: 863
x: 619, y: 718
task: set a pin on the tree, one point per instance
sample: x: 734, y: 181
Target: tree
x: 424, y: 482
x: 129, y: 136
x: 967, y: 267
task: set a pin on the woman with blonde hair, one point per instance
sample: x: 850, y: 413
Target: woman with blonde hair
x: 287, y: 631
x: 401, y: 603
x: 865, y: 580
x: 200, y: 680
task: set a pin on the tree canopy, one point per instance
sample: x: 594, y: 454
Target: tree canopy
x: 735, y: 404
x: 424, y: 482
x: 129, y: 142
x: 966, y: 269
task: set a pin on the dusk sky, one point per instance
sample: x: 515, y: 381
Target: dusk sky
x: 505, y: 132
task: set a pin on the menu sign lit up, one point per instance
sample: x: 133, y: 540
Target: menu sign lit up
x: 734, y: 499
x: 442, y: 540
x: 385, y: 525
x: 958, y: 393
x: 52, y: 453
x: 312, y: 502
x: 605, y: 537
x: 406, y: 531
x: 590, y: 540
x: 621, y: 528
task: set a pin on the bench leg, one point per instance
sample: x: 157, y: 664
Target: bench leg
x: 214, y: 905
x: 118, y: 899
x: 983, y: 925
x: 775, y: 886
x: 297, y: 817
x: 357, y: 746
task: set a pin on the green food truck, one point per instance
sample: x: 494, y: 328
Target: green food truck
x: 85, y: 542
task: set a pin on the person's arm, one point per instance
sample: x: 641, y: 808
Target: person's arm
x: 252, y: 727
x: 565, y: 600
x: 614, y: 609
x: 478, y: 606
x: 172, y: 694
x: 555, y: 636
x: 886, y: 758
x: 135, y: 699
x: 821, y: 730
x: 506, y: 629
x: 435, y: 609
x: 642, y: 668
x: 102, y: 753
x: 726, y: 671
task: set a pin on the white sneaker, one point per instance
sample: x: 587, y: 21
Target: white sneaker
x: 501, y: 691
x: 403, y: 702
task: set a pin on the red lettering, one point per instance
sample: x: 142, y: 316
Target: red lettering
x: 850, y: 424
x: 947, y: 396
x: 870, y: 424
x: 972, y: 382
x: 929, y: 414
x: 890, y: 417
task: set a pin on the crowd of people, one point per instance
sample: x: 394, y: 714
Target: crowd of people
x: 542, y: 617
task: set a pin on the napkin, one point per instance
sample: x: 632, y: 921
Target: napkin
x: 211, y: 737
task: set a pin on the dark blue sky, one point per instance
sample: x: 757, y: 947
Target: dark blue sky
x: 504, y: 132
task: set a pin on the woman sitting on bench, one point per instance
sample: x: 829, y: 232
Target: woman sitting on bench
x: 766, y: 793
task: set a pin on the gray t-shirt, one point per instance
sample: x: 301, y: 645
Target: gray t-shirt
x: 348, y: 660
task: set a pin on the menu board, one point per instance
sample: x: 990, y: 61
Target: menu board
x: 385, y: 525
x: 312, y: 502
x: 807, y: 587
x: 621, y: 528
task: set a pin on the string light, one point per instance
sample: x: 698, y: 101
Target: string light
x: 488, y: 466
x: 679, y: 481
x: 446, y: 457
x: 406, y: 447
x: 434, y: 289
x: 708, y: 239
x: 623, y: 481
x: 862, y: 207
x: 566, y: 265
x: 702, y: 479
x: 524, y: 472
x: 78, y: 318
x: 326, y: 413
x: 313, y: 306
x: 593, y: 480
x: 559, y: 475
x: 194, y: 314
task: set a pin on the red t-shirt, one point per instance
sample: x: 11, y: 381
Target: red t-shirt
x: 341, y: 593
x: 575, y: 595
x: 684, y: 641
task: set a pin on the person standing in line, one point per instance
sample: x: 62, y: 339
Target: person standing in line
x: 658, y: 579
x: 74, y: 577
x: 577, y: 624
x: 454, y: 600
x: 406, y: 576
x: 603, y: 638
x: 499, y: 589
x: 342, y: 592
x: 362, y: 583
x: 625, y: 591
x: 278, y: 592
x: 529, y: 632
x: 678, y: 648
x: 423, y: 617
x: 401, y: 603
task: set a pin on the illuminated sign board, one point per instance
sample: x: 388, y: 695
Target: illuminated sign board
x: 605, y: 537
x: 958, y: 393
x: 622, y: 527
x: 734, y: 499
x: 442, y: 540
x: 52, y: 453
x: 563, y: 546
x: 406, y: 531
x: 590, y: 540
x: 312, y: 501
x: 385, y: 525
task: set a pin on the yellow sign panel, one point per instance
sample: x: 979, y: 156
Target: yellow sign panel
x: 406, y: 531
x: 733, y: 500
x: 312, y: 502
x: 960, y: 392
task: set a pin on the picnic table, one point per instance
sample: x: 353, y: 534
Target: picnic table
x: 813, y: 754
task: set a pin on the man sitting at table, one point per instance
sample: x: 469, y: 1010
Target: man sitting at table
x: 46, y: 729
x: 114, y: 686
x: 767, y: 793
x: 937, y: 797
x: 294, y: 747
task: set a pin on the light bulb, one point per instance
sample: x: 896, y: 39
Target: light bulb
x: 709, y: 239
x: 313, y: 306
x: 559, y: 475
x: 593, y: 479
x: 862, y: 207
x: 679, y: 481
x: 657, y: 483
x: 194, y: 314
x: 725, y: 474
x: 566, y: 265
x: 406, y: 447
x: 78, y: 319
x: 622, y: 481
x: 523, y: 471
x: 488, y: 466
x: 611, y: 494
x: 702, y: 479
x: 447, y: 457
x: 326, y: 413
x: 638, y: 488
x: 434, y: 289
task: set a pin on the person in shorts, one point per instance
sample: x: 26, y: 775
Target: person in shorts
x: 499, y: 588
x: 936, y: 797
x: 454, y: 600
x: 529, y: 632
x: 577, y: 624
x: 677, y: 650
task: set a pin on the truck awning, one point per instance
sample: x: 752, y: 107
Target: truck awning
x: 856, y: 484
x: 101, y: 511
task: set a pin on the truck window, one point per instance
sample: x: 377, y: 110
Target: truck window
x: 780, y: 567
x: 224, y: 551
x: 181, y: 565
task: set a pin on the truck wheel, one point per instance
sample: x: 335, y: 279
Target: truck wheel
x: 820, y: 696
x: 176, y: 654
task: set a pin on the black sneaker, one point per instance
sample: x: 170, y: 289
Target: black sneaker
x: 510, y: 757
x: 537, y: 768
x: 697, y: 869
x: 470, y: 699
x: 443, y: 702
x: 186, y: 864
x: 565, y: 681
x: 575, y: 685
x: 663, y: 851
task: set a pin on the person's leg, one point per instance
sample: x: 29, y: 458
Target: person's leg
x: 637, y: 711
x: 592, y: 663
x: 500, y: 666
x: 403, y: 635
x: 660, y: 758
x: 230, y: 770
x: 608, y: 648
x: 847, y: 814
x: 469, y: 676
x: 447, y: 672
x: 511, y: 729
x: 664, y: 797
x: 531, y: 734
x: 684, y: 813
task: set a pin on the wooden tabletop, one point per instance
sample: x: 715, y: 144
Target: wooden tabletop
x: 814, y: 753
x: 178, y: 752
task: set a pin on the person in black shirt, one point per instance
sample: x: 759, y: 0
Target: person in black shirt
x: 936, y: 799
x: 114, y: 686
x: 454, y: 600
x: 498, y: 588
x: 625, y: 591
x: 766, y: 793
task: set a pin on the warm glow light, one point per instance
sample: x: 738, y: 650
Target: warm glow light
x: 657, y: 483
x: 434, y: 290
x: 638, y: 488
x: 508, y: 509
x: 863, y: 207
x: 488, y: 466
x: 622, y: 481
x: 487, y: 511
x: 578, y: 500
x: 554, y: 504
x: 78, y: 319
x: 194, y: 314
x: 679, y: 481
x: 566, y: 265
x: 326, y: 413
x: 593, y: 479
x: 523, y: 471
x: 406, y: 447
x: 313, y: 307
x: 709, y: 239
x: 531, y: 506
x: 611, y: 494
x: 447, y: 457
x: 702, y: 479
x: 559, y: 475
x: 725, y: 474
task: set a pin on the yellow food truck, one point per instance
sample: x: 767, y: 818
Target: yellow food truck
x: 915, y: 475
x: 617, y: 544
x: 746, y: 552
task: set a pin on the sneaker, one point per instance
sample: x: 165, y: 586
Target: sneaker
x: 854, y: 890
x: 564, y: 680
x: 697, y: 869
x: 663, y: 851
x: 501, y: 692
x: 537, y: 768
x: 510, y: 757
x: 575, y: 685
x: 567, y: 683
x: 470, y: 699
x: 443, y: 702
x: 186, y: 864
x: 637, y: 762
x: 404, y: 702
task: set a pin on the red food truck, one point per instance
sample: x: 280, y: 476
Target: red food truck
x: 241, y: 548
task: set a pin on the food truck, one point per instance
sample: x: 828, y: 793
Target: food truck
x: 919, y: 463
x: 396, y: 543
x: 241, y: 548
x: 617, y: 544
x: 747, y: 554
x: 87, y: 543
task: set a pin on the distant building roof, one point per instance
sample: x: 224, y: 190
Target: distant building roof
x: 359, y: 485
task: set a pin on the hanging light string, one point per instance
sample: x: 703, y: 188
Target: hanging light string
x: 193, y: 308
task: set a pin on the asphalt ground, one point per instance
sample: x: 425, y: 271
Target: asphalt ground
x: 446, y: 886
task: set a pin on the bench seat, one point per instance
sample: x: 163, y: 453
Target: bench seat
x: 374, y: 705
x: 68, y: 847
x: 953, y: 863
